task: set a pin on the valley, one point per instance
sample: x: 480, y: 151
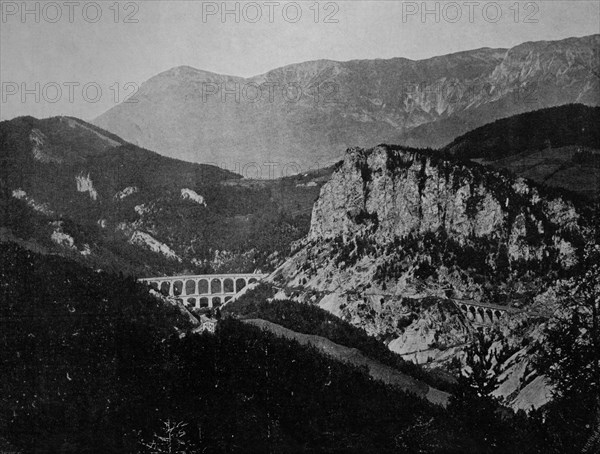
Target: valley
x: 419, y: 272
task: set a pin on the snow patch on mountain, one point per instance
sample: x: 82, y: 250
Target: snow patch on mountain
x: 562, y: 212
x: 141, y: 209
x: 332, y: 303
x: 534, y: 395
x: 129, y: 190
x: 66, y: 241
x: 39, y: 149
x: 37, y: 139
x: 566, y: 251
x: 85, y: 184
x: 148, y: 241
x: 521, y: 387
x: 62, y: 239
x: 19, y: 194
x: 74, y: 123
x: 188, y: 194
x: 40, y: 207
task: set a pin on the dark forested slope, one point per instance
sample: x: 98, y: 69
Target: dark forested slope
x: 558, y: 146
x: 92, y: 363
x: 74, y: 189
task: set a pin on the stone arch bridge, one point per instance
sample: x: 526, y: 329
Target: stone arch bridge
x: 476, y: 312
x: 203, y: 290
x: 483, y: 313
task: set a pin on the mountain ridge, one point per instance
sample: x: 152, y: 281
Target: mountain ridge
x: 304, y: 115
x: 332, y: 61
x: 557, y: 146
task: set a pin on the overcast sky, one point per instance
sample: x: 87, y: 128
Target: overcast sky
x: 140, y: 39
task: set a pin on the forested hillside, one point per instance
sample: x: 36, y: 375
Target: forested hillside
x: 558, y: 147
x: 310, y: 319
x: 555, y: 127
x: 95, y: 364
x: 90, y: 195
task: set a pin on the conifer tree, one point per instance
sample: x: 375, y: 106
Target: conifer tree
x: 477, y: 414
x: 172, y: 439
x: 570, y: 358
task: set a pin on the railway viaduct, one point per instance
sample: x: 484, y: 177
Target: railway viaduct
x: 482, y: 313
x: 203, y: 290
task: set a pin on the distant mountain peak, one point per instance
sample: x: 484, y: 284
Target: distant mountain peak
x: 304, y: 115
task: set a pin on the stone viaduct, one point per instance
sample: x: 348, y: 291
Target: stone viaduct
x: 476, y: 312
x: 213, y: 290
x: 482, y: 313
x: 203, y: 290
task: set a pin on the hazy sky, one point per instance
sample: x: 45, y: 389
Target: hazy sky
x: 72, y: 44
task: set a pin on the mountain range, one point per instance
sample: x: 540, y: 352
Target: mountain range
x: 94, y: 197
x: 303, y: 116
x: 389, y: 239
x: 440, y: 299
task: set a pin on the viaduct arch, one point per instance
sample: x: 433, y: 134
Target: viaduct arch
x: 476, y: 312
x: 203, y: 290
x: 481, y: 313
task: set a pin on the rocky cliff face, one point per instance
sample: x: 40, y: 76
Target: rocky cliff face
x: 308, y: 113
x: 393, y: 193
x: 399, y: 238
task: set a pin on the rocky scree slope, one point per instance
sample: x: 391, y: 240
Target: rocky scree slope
x: 531, y: 76
x: 399, y: 236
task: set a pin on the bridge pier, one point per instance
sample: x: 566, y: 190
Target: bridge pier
x: 481, y: 313
x: 203, y: 290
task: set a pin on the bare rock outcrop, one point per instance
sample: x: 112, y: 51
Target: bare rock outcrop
x: 399, y: 237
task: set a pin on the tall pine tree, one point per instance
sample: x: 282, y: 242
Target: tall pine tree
x: 570, y: 358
